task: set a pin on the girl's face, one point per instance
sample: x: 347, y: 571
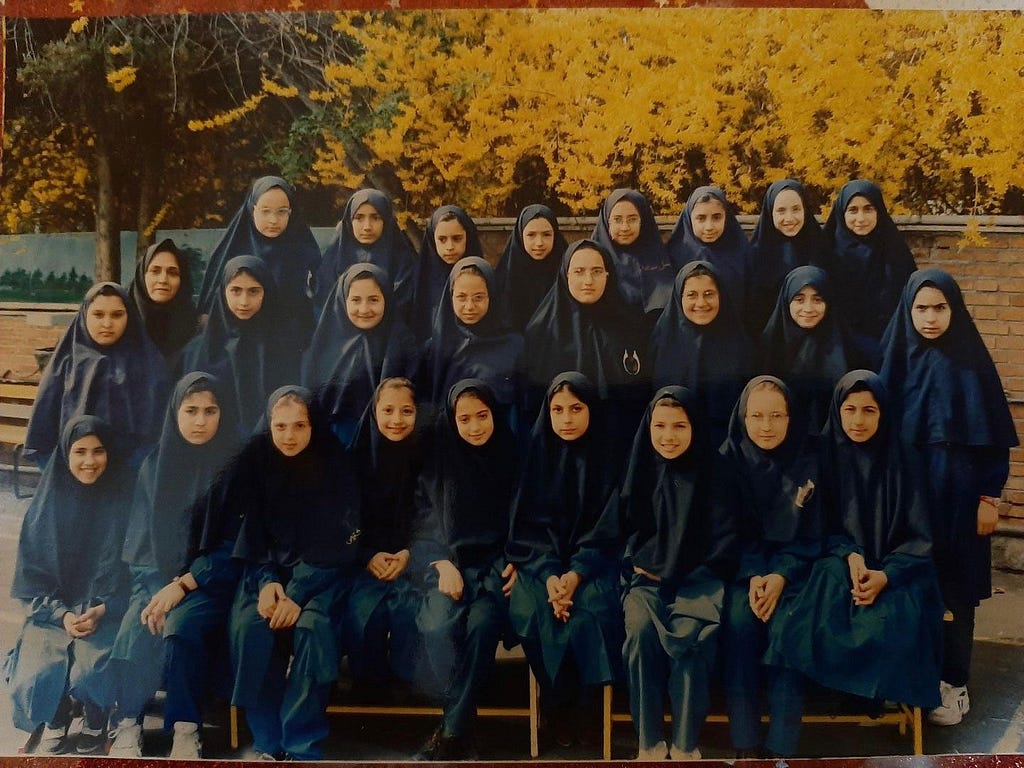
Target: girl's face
x: 367, y: 224
x: 570, y: 416
x: 290, y: 428
x: 861, y: 216
x: 198, y: 418
x: 807, y: 308
x: 244, y: 296
x: 470, y: 298
x: 87, y: 459
x: 708, y: 220
x: 671, y: 431
x: 701, y: 300
x: 473, y: 419
x: 766, y: 418
x: 788, y: 212
x: 364, y: 304
x: 163, y: 277
x: 450, y: 240
x: 931, y: 313
x: 624, y: 223
x: 106, y: 320
x: 272, y: 212
x: 587, y: 276
x: 538, y: 238
x: 396, y: 413
x: 860, y: 416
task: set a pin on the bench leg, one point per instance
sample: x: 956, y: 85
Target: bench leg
x: 18, y: 451
x: 918, y: 732
x: 233, y: 720
x: 606, y: 724
x: 534, y: 716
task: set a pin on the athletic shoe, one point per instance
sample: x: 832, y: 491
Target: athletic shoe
x: 187, y: 744
x: 91, y: 741
x: 52, y: 741
x: 127, y: 739
x: 955, y: 704
x: 675, y: 753
x: 655, y: 754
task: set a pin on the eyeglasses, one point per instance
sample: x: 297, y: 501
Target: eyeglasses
x: 595, y: 273
x: 630, y: 220
x: 274, y: 213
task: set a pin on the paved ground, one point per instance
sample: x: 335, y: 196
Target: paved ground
x: 994, y: 725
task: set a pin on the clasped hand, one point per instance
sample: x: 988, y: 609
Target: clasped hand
x: 561, y: 590
x: 764, y: 594
x: 84, y: 624
x: 867, y: 583
x: 276, y: 607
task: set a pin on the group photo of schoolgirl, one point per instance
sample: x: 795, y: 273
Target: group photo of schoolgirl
x: 710, y: 462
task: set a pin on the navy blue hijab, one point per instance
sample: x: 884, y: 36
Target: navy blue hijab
x: 522, y: 279
x: 392, y: 252
x: 124, y: 383
x: 730, y: 253
x: 171, y: 324
x: 643, y: 266
x: 945, y: 390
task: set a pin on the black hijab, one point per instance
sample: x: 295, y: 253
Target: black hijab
x: 872, y: 269
x: 523, y: 280
x: 124, y: 383
x: 945, y: 390
x: 643, y: 266
x: 171, y: 324
x: 72, y: 533
x: 392, y: 252
x: 432, y: 271
x: 174, y: 480
x: 344, y: 364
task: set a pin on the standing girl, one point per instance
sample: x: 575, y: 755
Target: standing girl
x: 529, y: 263
x: 162, y: 293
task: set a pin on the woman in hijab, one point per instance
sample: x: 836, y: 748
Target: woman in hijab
x: 699, y: 343
x: 244, y: 343
x: 529, y: 263
x: 450, y: 235
x: 707, y: 230
x: 805, y: 342
x: 196, y: 443
x: 772, y: 472
x: 269, y: 226
x: 879, y: 549
x: 299, y: 540
x: 953, y: 411
x: 162, y: 293
x: 359, y: 340
x: 626, y: 228
x: 871, y: 261
x: 459, y: 550
x: 564, y: 607
x: 73, y: 585
x: 679, y: 551
x: 786, y: 236
x: 104, y: 365
x: 379, y: 630
x: 368, y: 233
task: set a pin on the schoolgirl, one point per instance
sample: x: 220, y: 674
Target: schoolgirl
x: 805, y: 342
x: 368, y: 233
x: 299, y: 540
x: 245, y: 344
x: 529, y: 263
x: 359, y: 340
x: 270, y: 227
x: 771, y: 478
x: 71, y: 580
x: 871, y: 261
x: 162, y: 294
x: 699, y: 343
x: 953, y: 411
x: 679, y: 550
x: 707, y: 230
x: 459, y: 549
x: 626, y: 228
x: 785, y: 237
x: 104, y: 365
x: 196, y: 443
x: 450, y: 235
x: 564, y: 607
x: 379, y: 630
x: 878, y: 565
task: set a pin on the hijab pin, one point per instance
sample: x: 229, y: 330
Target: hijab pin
x: 804, y: 493
x: 354, y: 536
x: 631, y: 363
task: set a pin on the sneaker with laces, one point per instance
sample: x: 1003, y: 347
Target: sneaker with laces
x: 52, y: 741
x: 653, y: 754
x: 675, y: 753
x: 127, y: 739
x: 955, y: 704
x: 187, y: 744
x: 91, y: 741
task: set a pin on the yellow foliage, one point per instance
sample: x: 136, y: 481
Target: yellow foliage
x: 276, y: 89
x: 79, y: 24
x: 972, y: 235
x: 121, y: 50
x: 121, y: 78
x: 226, y: 118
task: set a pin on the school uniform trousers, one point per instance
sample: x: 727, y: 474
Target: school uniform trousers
x: 137, y: 658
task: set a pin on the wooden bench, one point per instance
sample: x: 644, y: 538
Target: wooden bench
x: 16, y: 401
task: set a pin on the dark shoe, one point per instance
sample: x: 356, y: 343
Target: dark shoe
x: 447, y: 748
x: 91, y: 742
x: 751, y: 753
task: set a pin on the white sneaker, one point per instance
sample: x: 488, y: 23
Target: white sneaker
x: 127, y: 739
x: 187, y: 744
x: 656, y: 753
x: 955, y: 704
x: 53, y: 741
x: 675, y: 753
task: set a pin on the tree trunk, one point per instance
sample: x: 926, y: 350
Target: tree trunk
x: 147, y: 204
x: 108, y: 236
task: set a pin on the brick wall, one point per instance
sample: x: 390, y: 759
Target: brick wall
x: 23, y: 331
